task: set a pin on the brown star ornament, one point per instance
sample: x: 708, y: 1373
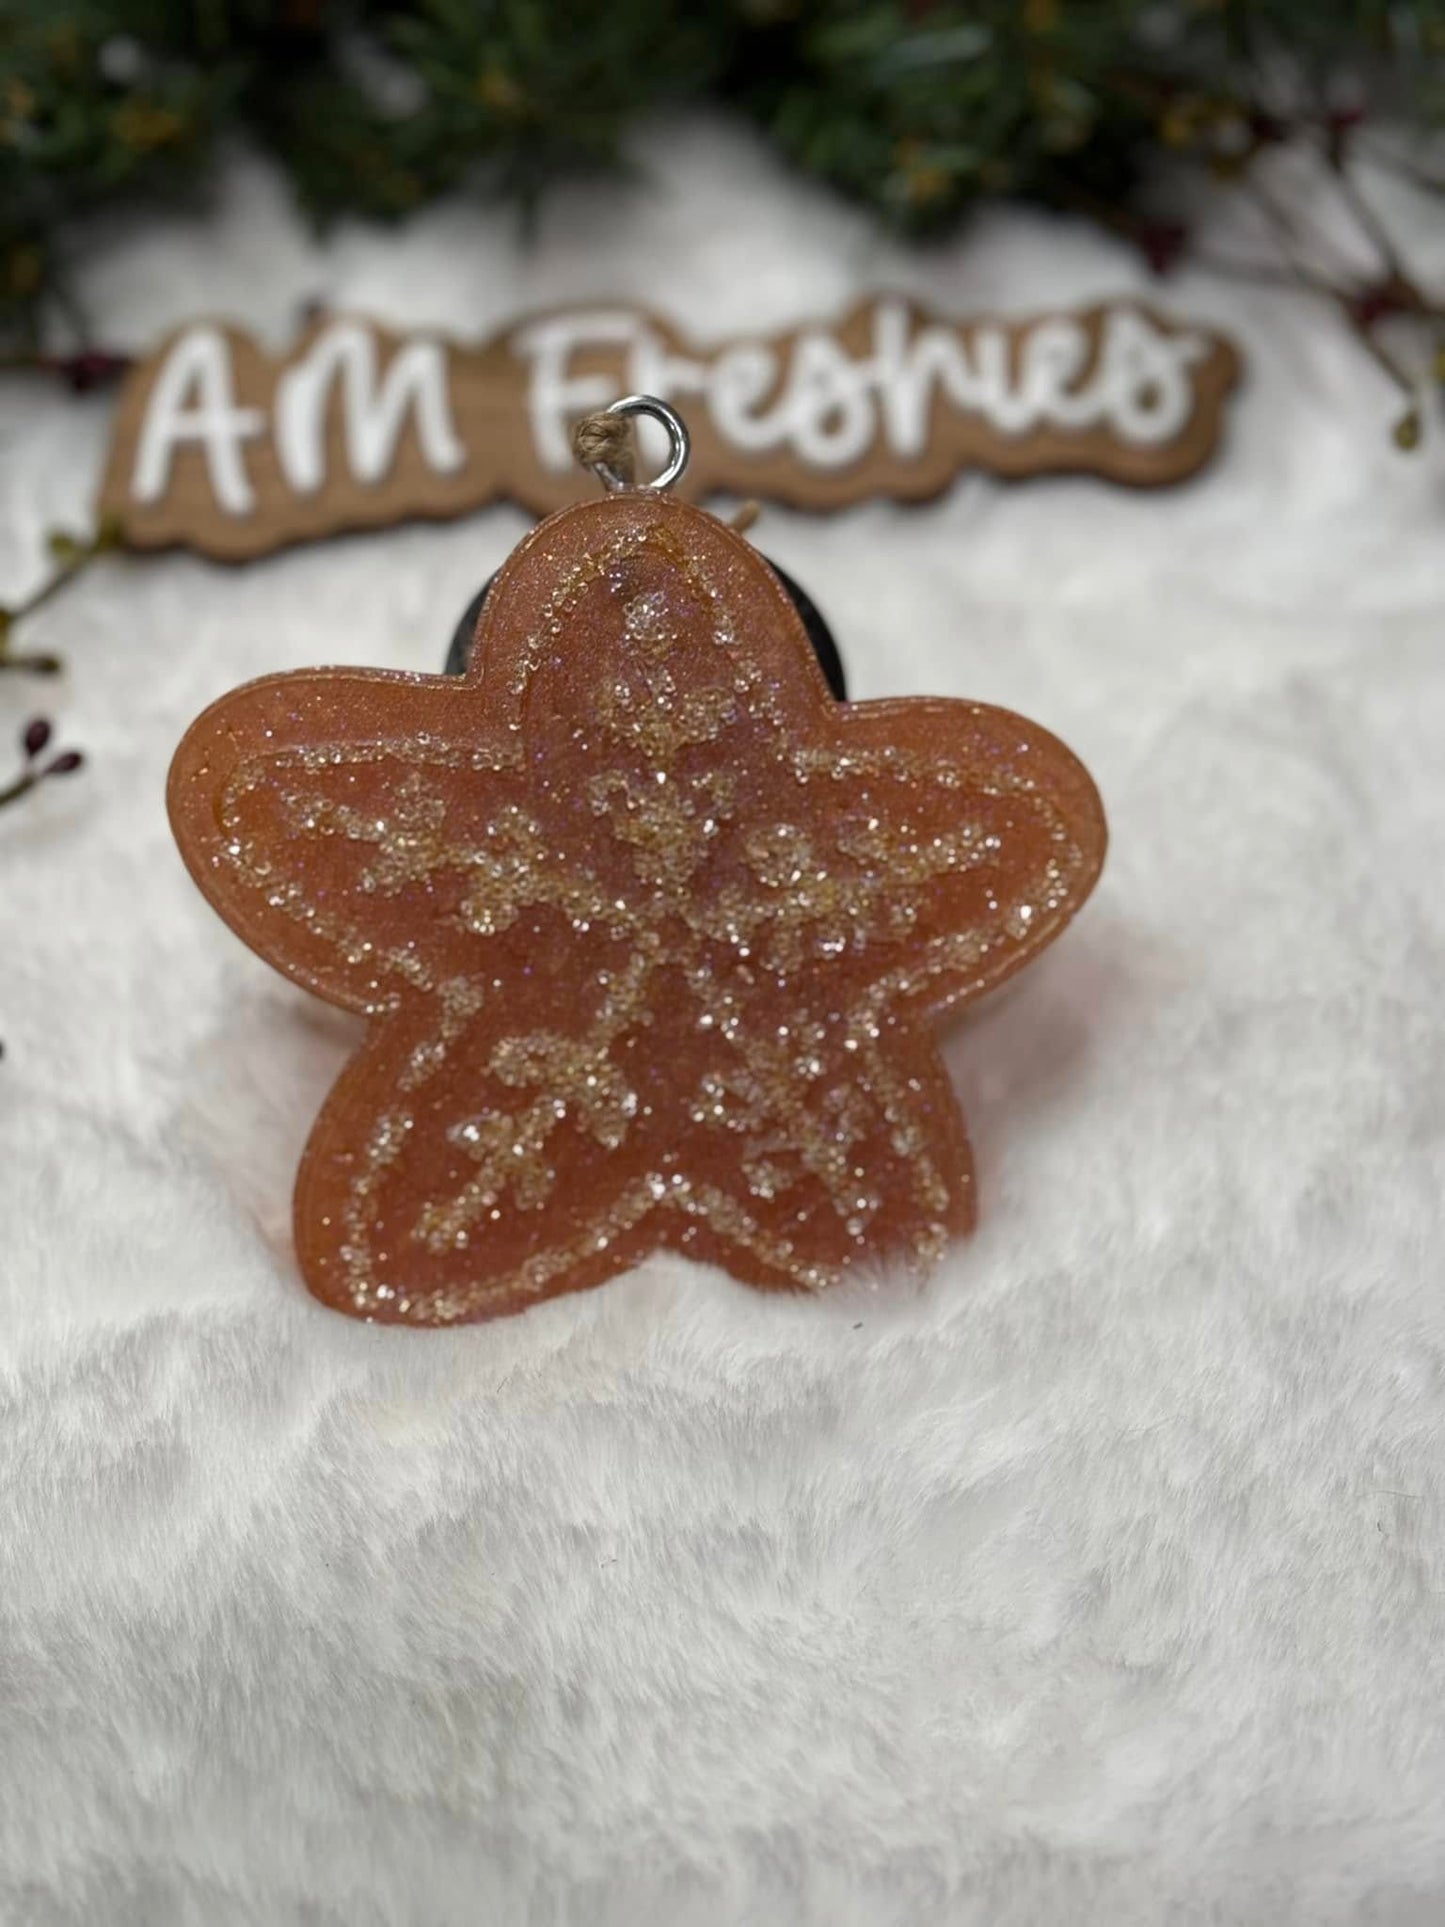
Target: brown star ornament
x: 651, y: 933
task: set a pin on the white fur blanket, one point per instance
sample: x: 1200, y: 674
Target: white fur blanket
x: 1102, y: 1581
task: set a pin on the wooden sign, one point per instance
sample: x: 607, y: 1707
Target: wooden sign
x: 226, y: 449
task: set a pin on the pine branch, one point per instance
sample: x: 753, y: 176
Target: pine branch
x: 72, y: 557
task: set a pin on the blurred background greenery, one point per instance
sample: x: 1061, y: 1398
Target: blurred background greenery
x: 1117, y: 109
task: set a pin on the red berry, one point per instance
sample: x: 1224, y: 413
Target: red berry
x: 67, y: 761
x: 36, y: 735
x: 1161, y: 244
x: 92, y: 369
x: 1376, y: 304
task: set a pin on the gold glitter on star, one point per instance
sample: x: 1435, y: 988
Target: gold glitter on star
x: 650, y: 932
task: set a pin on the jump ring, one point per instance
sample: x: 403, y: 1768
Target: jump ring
x: 679, y: 444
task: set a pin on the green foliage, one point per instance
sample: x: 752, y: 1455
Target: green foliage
x: 920, y: 112
x: 916, y: 107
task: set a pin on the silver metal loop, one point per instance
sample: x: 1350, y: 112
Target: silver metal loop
x: 679, y: 443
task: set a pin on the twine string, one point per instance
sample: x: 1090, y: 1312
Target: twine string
x: 606, y: 440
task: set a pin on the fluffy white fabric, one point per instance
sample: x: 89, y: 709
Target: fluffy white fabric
x: 1103, y: 1580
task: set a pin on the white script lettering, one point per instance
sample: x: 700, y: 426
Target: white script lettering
x: 201, y: 361
x: 826, y: 408
x: 372, y: 415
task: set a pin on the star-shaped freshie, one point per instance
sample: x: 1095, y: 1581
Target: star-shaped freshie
x: 651, y: 932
